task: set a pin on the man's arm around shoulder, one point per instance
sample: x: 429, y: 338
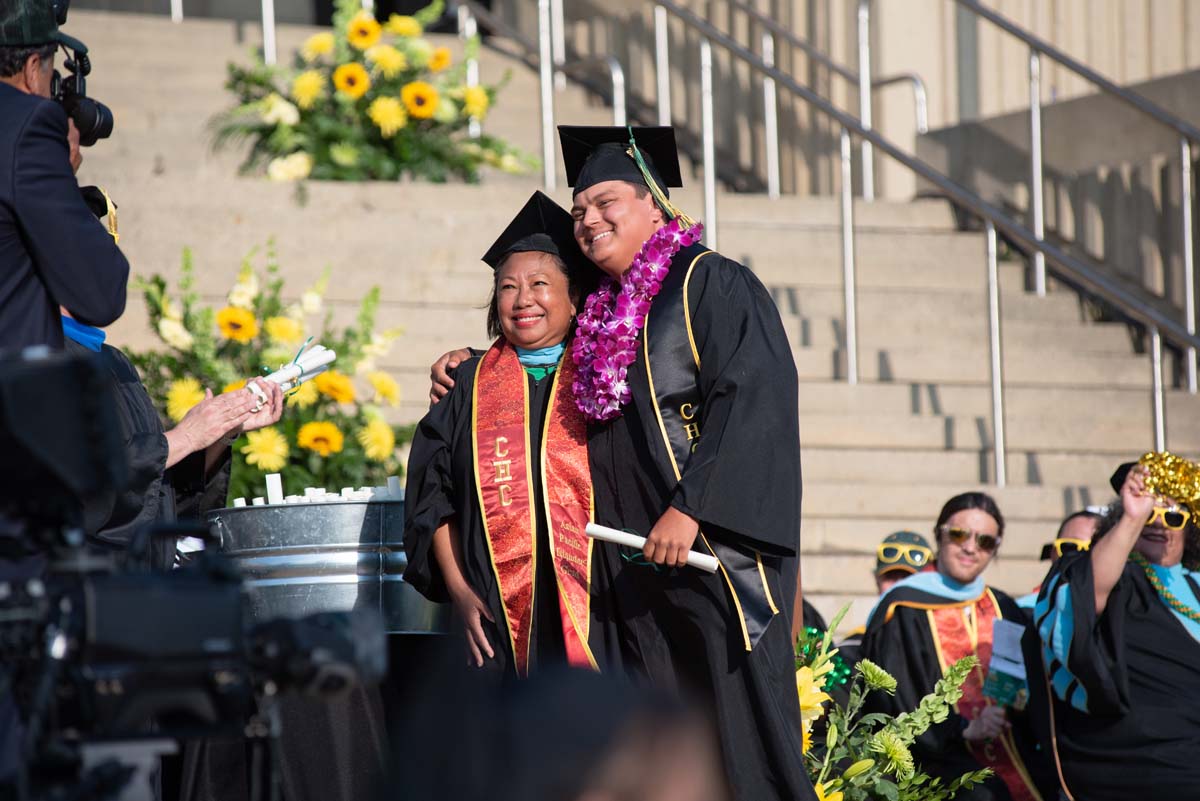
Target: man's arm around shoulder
x: 75, y: 256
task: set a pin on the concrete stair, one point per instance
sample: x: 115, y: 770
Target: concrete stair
x: 879, y: 456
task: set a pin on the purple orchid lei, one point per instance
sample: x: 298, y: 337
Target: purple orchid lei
x: 606, y: 340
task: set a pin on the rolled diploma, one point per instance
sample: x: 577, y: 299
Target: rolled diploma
x: 702, y: 561
x: 312, y: 362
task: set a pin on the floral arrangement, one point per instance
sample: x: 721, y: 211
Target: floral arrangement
x: 366, y: 101
x: 867, y: 757
x: 333, y: 432
x: 606, y: 339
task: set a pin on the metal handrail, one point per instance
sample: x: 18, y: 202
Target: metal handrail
x: 1188, y: 134
x: 1082, y: 273
x: 616, y: 74
x: 773, y: 29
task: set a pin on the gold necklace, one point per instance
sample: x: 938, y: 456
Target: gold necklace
x: 1168, y: 596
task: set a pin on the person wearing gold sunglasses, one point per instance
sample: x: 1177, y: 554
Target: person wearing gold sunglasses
x: 929, y: 621
x: 1119, y: 631
x: 1075, y: 533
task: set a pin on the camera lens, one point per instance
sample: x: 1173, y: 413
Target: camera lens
x: 93, y: 119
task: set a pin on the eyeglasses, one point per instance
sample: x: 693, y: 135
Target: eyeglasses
x: 1066, y: 545
x: 986, y: 542
x: 889, y: 553
x: 1172, y: 517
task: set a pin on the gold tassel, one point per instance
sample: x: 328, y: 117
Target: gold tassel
x: 660, y: 197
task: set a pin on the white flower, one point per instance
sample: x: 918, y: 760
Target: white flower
x: 366, y: 365
x: 509, y: 163
x: 174, y: 334
x: 244, y: 292
x: 446, y: 111
x: 378, y: 346
x: 310, y: 302
x: 295, y: 167
x: 171, y: 310
x: 277, y: 111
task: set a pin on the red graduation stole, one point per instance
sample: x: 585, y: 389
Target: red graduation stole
x: 955, y: 637
x: 504, y: 482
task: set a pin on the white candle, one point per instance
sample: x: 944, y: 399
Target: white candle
x: 274, y: 488
x: 699, y: 560
x: 239, y: 502
x: 258, y: 502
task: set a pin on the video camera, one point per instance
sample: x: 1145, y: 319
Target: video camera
x: 93, y: 119
x: 93, y: 654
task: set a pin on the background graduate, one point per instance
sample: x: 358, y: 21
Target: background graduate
x: 929, y: 621
x: 498, y: 485
x: 688, y: 378
x: 1119, y: 628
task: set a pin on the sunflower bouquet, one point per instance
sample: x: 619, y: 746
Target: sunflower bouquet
x: 366, y: 101
x: 333, y: 432
x: 861, y: 757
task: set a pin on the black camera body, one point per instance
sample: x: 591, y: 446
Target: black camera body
x: 93, y: 119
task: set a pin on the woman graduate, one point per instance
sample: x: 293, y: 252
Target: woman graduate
x: 1119, y: 626
x: 929, y: 621
x: 499, y: 490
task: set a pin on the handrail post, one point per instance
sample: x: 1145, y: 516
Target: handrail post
x: 546, y: 72
x: 999, y: 447
x: 1156, y: 390
x: 1189, y: 264
x: 467, y: 30
x: 558, y: 42
x: 770, y: 118
x: 1036, y: 182
x: 864, y: 96
x: 618, y: 90
x: 849, y: 289
x: 176, y: 10
x: 709, y: 136
x: 920, y: 104
x: 662, y: 65
x: 268, y: 31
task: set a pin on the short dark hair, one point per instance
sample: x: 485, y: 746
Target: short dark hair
x: 970, y: 500
x: 12, y: 59
x: 1095, y: 517
x: 493, y: 311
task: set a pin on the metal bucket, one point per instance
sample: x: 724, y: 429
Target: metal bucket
x: 299, y: 559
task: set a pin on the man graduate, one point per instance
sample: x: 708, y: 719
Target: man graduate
x: 686, y: 374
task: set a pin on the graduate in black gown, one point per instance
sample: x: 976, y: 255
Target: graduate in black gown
x: 498, y: 485
x: 1119, y: 628
x: 929, y: 621
x: 702, y: 453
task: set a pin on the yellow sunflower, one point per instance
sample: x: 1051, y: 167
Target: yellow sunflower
x: 476, y: 102
x: 387, y: 60
x: 440, y: 59
x: 317, y: 45
x: 237, y: 324
x: 267, y: 449
x: 321, y: 437
x: 233, y: 386
x: 420, y: 98
x: 337, y: 386
x: 363, y: 31
x: 377, y: 439
x: 386, y: 388
x: 284, y: 330
x: 304, y: 395
x: 403, y: 25
x: 352, y: 80
x: 307, y: 87
x: 388, y: 115
x: 182, y: 395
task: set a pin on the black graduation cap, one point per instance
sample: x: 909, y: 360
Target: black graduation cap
x: 541, y: 225
x: 1118, y: 477
x: 596, y: 153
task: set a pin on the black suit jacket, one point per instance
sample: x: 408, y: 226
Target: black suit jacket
x: 53, y: 250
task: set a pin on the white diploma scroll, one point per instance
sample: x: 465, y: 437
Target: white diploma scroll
x: 702, y: 561
x: 311, y: 362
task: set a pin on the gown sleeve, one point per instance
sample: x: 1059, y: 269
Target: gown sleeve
x: 1080, y: 649
x: 743, y: 478
x: 430, y: 487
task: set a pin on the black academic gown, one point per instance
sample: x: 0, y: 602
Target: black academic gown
x: 441, y: 483
x: 154, y: 493
x: 742, y: 482
x: 1135, y: 671
x: 904, y: 646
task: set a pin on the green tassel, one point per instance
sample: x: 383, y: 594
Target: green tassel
x: 660, y: 197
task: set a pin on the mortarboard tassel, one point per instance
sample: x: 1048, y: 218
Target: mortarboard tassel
x: 660, y: 197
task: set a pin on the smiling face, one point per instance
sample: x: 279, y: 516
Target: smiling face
x: 1159, y: 544
x: 533, y: 300
x: 612, y: 222
x: 964, y: 561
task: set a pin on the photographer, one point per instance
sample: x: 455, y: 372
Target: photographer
x: 53, y: 250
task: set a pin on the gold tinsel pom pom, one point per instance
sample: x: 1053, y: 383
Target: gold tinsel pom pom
x: 1173, y: 477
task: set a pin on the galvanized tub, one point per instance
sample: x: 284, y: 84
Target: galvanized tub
x: 302, y: 558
